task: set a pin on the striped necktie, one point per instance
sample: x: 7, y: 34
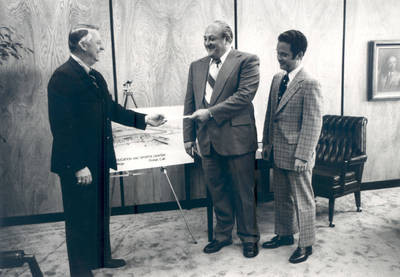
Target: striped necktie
x: 212, y: 76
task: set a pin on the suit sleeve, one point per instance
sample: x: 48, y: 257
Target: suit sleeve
x: 311, y: 121
x: 266, y: 140
x: 249, y: 78
x: 189, y: 128
x: 121, y: 115
x: 126, y: 117
x: 64, y: 123
x: 268, y: 117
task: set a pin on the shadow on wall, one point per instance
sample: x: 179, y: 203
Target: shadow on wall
x: 25, y: 142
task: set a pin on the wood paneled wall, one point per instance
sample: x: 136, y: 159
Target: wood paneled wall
x: 26, y: 184
x: 372, y: 20
x: 261, y: 22
x: 155, y: 43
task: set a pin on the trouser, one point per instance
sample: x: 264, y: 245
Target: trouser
x: 87, y: 221
x: 231, y: 181
x: 294, y: 205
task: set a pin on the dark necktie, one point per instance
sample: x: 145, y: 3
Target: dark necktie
x: 93, y: 78
x: 212, y: 75
x: 283, y: 86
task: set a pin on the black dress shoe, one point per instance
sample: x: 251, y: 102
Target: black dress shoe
x: 215, y: 246
x: 114, y: 263
x: 300, y: 254
x: 277, y: 241
x: 81, y: 272
x: 250, y: 249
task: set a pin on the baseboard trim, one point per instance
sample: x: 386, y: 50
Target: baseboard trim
x: 380, y: 184
x: 134, y: 209
x: 31, y: 219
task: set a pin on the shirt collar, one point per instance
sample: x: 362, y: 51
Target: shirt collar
x: 81, y: 63
x: 223, y: 57
x: 294, y: 72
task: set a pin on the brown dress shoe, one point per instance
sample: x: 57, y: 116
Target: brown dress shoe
x: 300, y: 254
x: 278, y: 241
x: 215, y: 246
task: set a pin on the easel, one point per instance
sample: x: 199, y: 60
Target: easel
x: 128, y: 92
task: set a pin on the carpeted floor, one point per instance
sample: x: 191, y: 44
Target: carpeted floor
x: 157, y: 244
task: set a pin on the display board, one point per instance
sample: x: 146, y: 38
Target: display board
x: 154, y: 147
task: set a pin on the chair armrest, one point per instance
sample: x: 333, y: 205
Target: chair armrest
x: 357, y: 160
x: 353, y: 162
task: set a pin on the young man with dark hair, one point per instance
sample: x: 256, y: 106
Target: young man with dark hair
x: 291, y: 130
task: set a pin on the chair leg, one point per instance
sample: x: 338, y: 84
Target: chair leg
x: 357, y: 196
x: 331, y: 211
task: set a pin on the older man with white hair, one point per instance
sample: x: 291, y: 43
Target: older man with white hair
x: 80, y: 112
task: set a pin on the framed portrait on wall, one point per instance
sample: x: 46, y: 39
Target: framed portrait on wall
x: 384, y: 70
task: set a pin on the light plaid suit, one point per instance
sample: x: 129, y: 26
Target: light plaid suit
x: 291, y: 131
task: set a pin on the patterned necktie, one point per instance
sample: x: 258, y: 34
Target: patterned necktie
x: 212, y: 76
x: 283, y: 86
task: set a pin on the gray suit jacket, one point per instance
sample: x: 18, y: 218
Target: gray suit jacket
x: 292, y: 128
x: 232, y: 130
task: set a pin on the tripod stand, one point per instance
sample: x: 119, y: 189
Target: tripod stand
x: 128, y: 92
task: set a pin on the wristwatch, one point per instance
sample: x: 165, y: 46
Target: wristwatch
x: 209, y: 112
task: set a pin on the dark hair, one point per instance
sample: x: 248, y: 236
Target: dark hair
x: 226, y: 30
x: 296, y: 39
x: 77, y: 33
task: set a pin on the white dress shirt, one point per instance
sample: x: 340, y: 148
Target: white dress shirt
x: 213, y: 70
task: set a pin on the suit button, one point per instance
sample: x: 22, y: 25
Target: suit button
x: 108, y: 137
x: 275, y: 120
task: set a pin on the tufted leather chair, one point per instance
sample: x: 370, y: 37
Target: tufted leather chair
x: 340, y: 158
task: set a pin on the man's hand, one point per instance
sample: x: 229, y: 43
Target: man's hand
x: 265, y: 154
x: 189, y: 148
x: 300, y: 165
x: 155, y: 120
x: 201, y: 115
x: 83, y: 176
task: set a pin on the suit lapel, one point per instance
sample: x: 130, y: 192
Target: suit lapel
x: 291, y: 90
x: 79, y: 70
x: 82, y: 74
x: 274, y: 92
x: 201, y: 78
x: 223, y: 75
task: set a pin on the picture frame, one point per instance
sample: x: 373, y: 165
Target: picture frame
x: 384, y: 70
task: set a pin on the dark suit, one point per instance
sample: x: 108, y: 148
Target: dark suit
x: 80, y: 114
x: 228, y: 140
x: 291, y: 131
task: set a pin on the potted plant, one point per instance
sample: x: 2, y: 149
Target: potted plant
x: 10, y: 45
